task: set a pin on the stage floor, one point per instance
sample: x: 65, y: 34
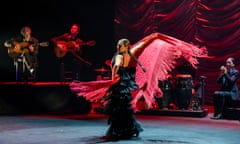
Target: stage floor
x: 89, y: 128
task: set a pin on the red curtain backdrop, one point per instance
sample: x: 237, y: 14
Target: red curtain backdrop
x: 211, y: 23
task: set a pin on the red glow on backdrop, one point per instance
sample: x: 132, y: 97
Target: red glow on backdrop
x: 117, y: 21
x: 214, y: 24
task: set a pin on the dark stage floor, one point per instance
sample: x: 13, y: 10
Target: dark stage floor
x: 88, y: 128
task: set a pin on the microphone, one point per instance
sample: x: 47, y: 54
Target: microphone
x: 143, y: 68
x: 137, y: 61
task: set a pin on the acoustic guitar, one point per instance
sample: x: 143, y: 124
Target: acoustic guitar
x: 63, y: 47
x: 22, y: 47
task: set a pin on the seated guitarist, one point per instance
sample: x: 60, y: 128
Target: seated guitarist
x: 68, y: 50
x: 24, y: 50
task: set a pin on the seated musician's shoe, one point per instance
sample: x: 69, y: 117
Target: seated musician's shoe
x: 31, y: 70
x: 217, y: 116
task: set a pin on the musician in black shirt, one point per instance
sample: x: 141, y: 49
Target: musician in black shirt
x: 68, y: 50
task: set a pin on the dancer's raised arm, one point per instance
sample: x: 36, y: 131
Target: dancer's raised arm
x: 139, y: 47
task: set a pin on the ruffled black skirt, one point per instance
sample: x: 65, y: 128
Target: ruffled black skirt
x: 121, y: 115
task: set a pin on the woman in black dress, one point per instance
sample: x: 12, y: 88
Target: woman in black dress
x: 121, y: 115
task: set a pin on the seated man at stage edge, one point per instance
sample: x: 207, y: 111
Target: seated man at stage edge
x: 228, y: 90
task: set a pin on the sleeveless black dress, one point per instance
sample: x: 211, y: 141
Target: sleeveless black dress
x: 121, y: 115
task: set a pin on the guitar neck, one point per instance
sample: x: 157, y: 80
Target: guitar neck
x: 62, y: 47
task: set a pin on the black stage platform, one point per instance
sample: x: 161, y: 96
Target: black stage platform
x: 40, y: 97
x: 176, y: 112
x: 56, y: 97
x: 172, y: 112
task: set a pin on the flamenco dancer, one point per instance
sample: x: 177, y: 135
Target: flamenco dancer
x: 136, y: 70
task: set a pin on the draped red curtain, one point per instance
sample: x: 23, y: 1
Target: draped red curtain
x: 211, y: 23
